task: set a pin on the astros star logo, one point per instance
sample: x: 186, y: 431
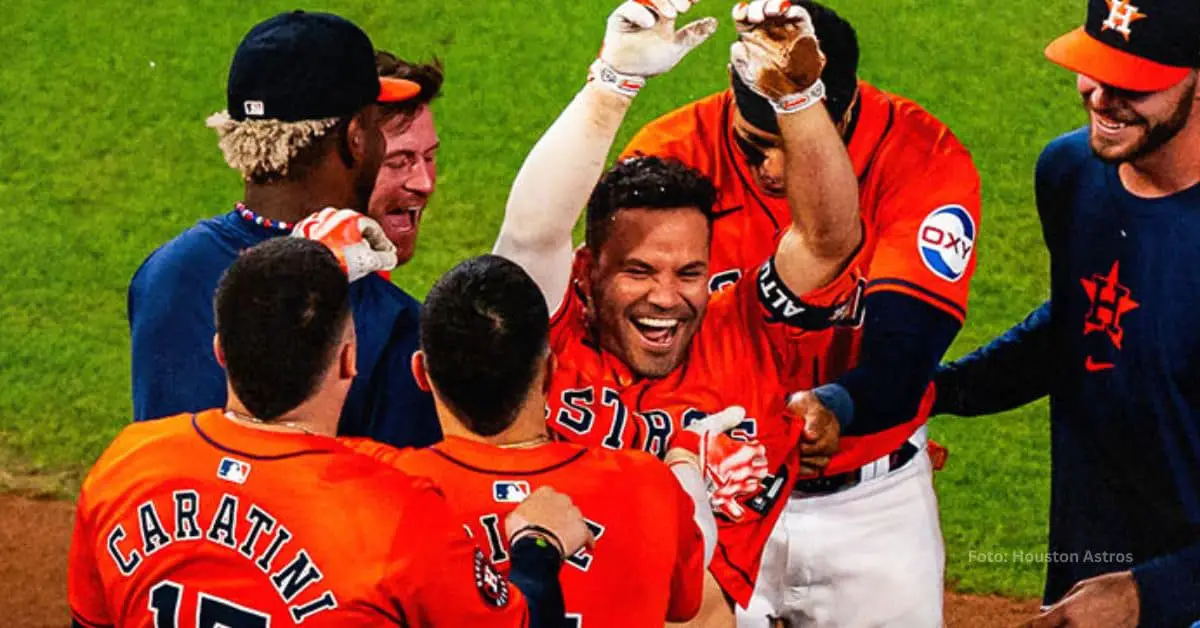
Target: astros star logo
x: 1121, y: 15
x: 1110, y: 301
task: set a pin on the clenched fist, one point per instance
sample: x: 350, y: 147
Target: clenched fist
x: 554, y: 513
x: 777, y: 53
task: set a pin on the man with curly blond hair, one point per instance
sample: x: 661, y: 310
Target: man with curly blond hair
x: 303, y: 127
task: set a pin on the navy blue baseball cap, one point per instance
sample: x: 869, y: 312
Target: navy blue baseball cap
x: 1139, y: 45
x: 307, y: 66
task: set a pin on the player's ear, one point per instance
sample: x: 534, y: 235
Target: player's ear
x: 356, y: 144
x: 549, y: 366
x: 348, y: 358
x: 420, y: 374
x: 217, y: 350
x: 585, y: 264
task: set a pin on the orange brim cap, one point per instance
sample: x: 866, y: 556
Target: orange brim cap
x: 1080, y: 52
x: 397, y: 90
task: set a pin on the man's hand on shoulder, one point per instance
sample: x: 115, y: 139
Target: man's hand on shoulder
x: 358, y: 242
x: 551, y: 516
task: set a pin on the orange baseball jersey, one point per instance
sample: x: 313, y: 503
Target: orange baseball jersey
x: 754, y: 335
x: 647, y: 565
x: 195, y: 520
x: 920, y: 198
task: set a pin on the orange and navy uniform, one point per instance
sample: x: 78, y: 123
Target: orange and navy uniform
x: 647, y: 564
x: 195, y: 518
x: 753, y: 337
x: 919, y: 194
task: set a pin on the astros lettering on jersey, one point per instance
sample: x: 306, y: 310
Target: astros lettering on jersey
x: 754, y: 338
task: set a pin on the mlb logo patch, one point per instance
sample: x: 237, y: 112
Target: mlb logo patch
x: 234, y: 471
x: 510, y: 491
x: 254, y: 107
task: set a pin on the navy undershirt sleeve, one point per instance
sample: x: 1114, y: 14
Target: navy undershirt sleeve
x: 903, y: 340
x: 1169, y: 588
x: 1009, y: 372
x: 535, y: 570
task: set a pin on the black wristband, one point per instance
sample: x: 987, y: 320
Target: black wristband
x: 541, y: 534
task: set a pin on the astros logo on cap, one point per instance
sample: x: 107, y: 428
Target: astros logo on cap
x: 1121, y: 15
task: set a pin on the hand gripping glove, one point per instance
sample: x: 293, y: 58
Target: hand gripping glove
x: 732, y: 469
x: 359, y: 243
x: 777, y: 54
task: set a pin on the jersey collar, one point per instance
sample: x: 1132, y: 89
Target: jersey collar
x: 243, y: 440
x: 871, y: 125
x: 488, y: 458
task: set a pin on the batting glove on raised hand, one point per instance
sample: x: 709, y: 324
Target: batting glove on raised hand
x: 641, y: 41
x: 732, y: 469
x: 359, y: 243
x: 777, y: 54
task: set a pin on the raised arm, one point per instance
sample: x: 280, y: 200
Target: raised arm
x: 558, y: 175
x: 777, y: 54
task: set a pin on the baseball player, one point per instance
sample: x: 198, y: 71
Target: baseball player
x: 920, y: 197
x: 641, y: 349
x: 255, y: 514
x: 303, y: 128
x: 1115, y: 347
x: 408, y: 175
x: 485, y: 355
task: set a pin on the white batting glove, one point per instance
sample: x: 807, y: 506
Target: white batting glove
x: 641, y: 41
x: 358, y: 242
x: 777, y: 54
x: 732, y: 469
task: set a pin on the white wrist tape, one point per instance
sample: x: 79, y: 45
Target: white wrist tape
x: 801, y: 101
x: 604, y: 75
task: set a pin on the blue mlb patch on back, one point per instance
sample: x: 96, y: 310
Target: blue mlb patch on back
x: 234, y: 471
x: 510, y: 491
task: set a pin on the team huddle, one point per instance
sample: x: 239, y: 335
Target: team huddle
x: 710, y: 413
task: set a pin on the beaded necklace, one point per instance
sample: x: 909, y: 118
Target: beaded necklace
x: 277, y: 225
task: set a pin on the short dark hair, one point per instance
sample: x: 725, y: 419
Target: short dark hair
x: 839, y: 42
x: 280, y: 310
x: 648, y: 183
x: 429, y: 76
x: 484, y: 330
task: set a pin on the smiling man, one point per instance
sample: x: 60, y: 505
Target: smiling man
x: 1116, y: 346
x: 920, y: 200
x: 642, y: 348
x: 408, y: 175
x: 302, y: 126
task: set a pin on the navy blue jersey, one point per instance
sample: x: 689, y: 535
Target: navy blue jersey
x: 171, y: 323
x: 1117, y: 348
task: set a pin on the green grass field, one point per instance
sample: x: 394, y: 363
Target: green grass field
x: 105, y: 156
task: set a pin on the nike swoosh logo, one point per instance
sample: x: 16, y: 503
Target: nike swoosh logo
x: 725, y: 212
x: 1093, y: 366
